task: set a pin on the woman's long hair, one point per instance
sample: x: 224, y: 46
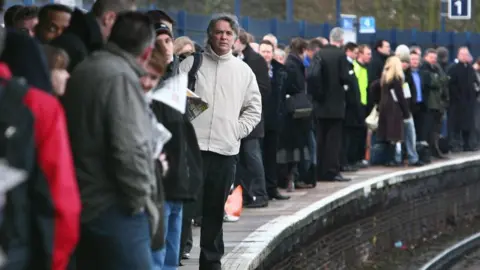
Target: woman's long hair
x: 392, y: 70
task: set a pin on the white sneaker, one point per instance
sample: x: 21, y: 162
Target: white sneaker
x: 229, y: 218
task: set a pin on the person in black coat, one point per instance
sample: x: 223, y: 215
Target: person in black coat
x: 462, y: 98
x: 273, y: 111
x: 354, y: 114
x: 293, y: 142
x: 250, y: 170
x: 329, y: 107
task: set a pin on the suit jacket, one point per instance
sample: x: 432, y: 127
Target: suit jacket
x: 330, y: 103
x: 259, y: 67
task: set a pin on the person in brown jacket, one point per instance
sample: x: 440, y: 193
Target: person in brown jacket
x: 393, y: 107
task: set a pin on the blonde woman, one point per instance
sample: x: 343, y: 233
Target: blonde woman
x: 393, y: 108
x: 183, y: 46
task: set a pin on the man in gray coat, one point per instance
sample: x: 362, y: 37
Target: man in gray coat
x: 113, y: 147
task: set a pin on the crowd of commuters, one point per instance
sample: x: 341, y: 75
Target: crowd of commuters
x: 116, y: 178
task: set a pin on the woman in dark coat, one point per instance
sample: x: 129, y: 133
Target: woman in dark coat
x: 393, y: 107
x: 293, y: 142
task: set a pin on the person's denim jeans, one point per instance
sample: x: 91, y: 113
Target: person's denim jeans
x: 115, y: 240
x: 410, y: 143
x: 168, y: 257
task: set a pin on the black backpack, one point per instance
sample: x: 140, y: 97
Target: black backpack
x: 192, y: 74
x: 16, y: 125
x: 17, y: 148
x: 314, y: 77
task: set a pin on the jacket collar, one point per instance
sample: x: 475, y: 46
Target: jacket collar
x: 130, y: 59
x: 209, y: 51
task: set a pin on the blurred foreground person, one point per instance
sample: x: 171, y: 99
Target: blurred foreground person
x: 40, y: 225
x: 111, y: 131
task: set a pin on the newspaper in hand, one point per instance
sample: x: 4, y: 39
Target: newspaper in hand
x: 173, y: 92
x: 162, y: 135
x: 195, y: 105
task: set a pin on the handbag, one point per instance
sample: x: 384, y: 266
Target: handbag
x: 372, y: 119
x: 299, y: 105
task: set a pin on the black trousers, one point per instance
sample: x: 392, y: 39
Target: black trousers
x: 353, y: 145
x: 329, y: 147
x: 422, y: 123
x: 218, y: 175
x: 250, y: 172
x: 270, y: 145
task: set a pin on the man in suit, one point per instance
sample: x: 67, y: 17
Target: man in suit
x: 329, y: 107
x: 250, y: 172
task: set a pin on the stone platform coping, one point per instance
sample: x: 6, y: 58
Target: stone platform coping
x: 249, y: 254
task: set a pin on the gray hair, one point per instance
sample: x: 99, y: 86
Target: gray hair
x: 279, y: 52
x: 230, y: 18
x: 336, y: 35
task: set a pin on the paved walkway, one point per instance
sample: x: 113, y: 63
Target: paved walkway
x: 252, y: 219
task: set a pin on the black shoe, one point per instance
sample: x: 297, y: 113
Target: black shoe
x: 337, y: 178
x: 417, y: 164
x: 278, y: 196
x: 257, y: 204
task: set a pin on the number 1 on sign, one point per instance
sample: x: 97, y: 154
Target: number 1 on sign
x: 458, y: 5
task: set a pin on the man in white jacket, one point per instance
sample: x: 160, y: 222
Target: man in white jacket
x: 231, y: 90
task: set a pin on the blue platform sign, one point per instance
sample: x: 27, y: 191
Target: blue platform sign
x: 367, y: 25
x: 460, y: 9
x: 348, y: 22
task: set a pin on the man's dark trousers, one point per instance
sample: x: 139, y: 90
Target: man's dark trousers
x: 329, y: 147
x: 115, y: 240
x: 218, y: 175
x: 250, y: 170
x: 270, y: 145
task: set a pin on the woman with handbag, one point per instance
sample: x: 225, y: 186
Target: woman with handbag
x: 393, y: 108
x: 293, y: 143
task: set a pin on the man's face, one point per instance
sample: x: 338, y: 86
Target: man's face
x: 28, y: 26
x: 385, y: 49
x: 57, y: 22
x: 165, y: 42
x: 366, y: 56
x: 414, y: 60
x: 311, y: 53
x: 222, y: 38
x: 150, y: 80
x: 463, y: 55
x: 352, y: 54
x: 238, y: 46
x: 266, y: 51
x: 431, y: 58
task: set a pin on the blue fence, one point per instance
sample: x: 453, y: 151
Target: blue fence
x: 194, y: 26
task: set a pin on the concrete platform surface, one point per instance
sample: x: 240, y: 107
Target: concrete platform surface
x: 252, y: 219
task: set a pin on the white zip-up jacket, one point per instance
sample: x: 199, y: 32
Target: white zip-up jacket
x: 230, y: 88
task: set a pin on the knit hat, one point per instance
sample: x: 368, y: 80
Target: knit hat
x: 403, y: 52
